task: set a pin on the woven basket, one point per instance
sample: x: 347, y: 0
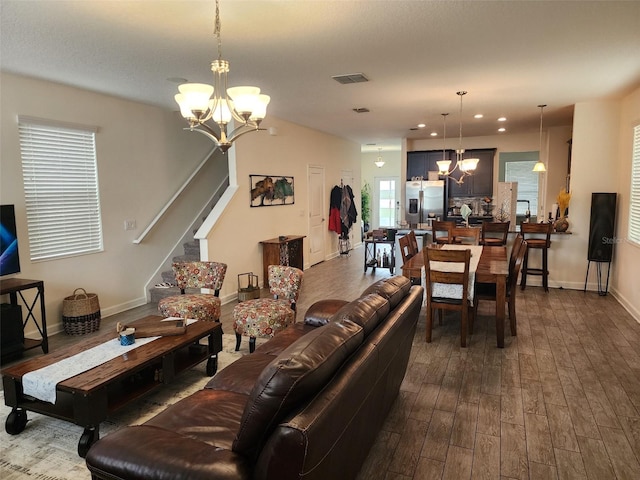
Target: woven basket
x: 80, y: 313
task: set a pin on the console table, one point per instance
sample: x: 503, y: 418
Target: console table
x: 283, y: 250
x: 14, y: 287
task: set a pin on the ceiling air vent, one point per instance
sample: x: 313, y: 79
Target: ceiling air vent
x: 361, y: 110
x: 350, y: 78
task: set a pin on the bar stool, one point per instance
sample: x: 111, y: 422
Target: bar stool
x: 528, y: 229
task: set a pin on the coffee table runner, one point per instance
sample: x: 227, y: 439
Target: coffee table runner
x: 41, y: 383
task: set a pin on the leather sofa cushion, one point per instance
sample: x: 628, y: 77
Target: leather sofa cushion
x: 300, y: 371
x: 242, y: 377
x: 320, y: 313
x: 367, y: 311
x: 393, y: 289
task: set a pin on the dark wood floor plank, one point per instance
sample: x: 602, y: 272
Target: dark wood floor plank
x: 436, y: 444
x: 596, y: 460
x: 570, y: 465
x: 405, y: 458
x: 561, y: 426
x: 458, y: 464
x: 486, y: 458
x: 463, y: 432
x: 539, y: 446
x: 513, y: 451
x: 620, y: 453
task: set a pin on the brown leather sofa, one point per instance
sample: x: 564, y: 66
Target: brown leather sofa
x: 306, y: 404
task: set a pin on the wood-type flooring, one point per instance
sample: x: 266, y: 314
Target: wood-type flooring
x: 561, y: 400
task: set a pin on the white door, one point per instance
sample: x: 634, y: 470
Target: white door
x: 386, y: 202
x: 317, y: 208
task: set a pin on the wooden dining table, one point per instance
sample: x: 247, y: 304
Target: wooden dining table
x: 492, y: 268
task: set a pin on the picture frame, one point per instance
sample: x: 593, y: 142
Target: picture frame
x: 271, y: 190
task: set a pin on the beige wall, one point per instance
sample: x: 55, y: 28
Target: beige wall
x: 626, y: 260
x: 235, y: 237
x: 144, y: 156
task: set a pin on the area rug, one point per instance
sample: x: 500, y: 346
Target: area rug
x: 47, y: 449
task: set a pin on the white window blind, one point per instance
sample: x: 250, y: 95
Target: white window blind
x: 634, y: 211
x: 522, y: 172
x: 60, y: 178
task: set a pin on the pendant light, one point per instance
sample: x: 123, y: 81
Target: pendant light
x: 539, y: 166
x: 379, y: 162
x: 466, y: 165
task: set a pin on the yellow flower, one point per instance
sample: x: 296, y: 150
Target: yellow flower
x: 563, y: 201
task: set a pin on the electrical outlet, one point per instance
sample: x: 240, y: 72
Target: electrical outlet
x: 129, y: 224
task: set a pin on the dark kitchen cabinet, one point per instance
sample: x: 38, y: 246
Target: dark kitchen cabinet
x: 420, y: 163
x: 481, y: 182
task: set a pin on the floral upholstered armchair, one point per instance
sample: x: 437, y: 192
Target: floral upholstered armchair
x: 264, y: 317
x: 200, y: 306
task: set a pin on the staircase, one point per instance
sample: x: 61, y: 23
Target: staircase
x: 191, y: 253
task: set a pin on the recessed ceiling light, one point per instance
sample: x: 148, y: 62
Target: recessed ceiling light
x: 502, y: 119
x: 478, y: 115
x: 421, y: 125
x: 502, y: 129
x: 434, y: 134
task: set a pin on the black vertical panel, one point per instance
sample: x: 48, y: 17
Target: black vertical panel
x: 602, y: 227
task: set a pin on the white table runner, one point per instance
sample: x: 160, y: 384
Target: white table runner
x: 450, y: 290
x: 41, y: 383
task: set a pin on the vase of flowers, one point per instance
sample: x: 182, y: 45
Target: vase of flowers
x: 563, y: 198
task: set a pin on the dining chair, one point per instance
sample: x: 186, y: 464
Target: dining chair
x: 440, y: 272
x: 494, y: 233
x: 466, y: 235
x: 405, y: 248
x: 538, y: 237
x: 438, y: 227
x: 413, y: 242
x: 200, y: 306
x: 487, y: 291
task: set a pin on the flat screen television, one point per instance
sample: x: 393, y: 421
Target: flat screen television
x: 9, y: 258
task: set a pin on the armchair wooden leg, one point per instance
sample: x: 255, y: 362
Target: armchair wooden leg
x: 463, y: 327
x: 429, y: 324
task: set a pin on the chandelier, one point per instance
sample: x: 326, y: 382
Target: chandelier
x: 379, y: 162
x: 201, y: 102
x: 539, y: 166
x: 466, y: 166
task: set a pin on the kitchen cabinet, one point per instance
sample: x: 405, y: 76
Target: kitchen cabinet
x: 479, y: 184
x: 420, y: 163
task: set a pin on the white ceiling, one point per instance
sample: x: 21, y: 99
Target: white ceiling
x: 509, y: 55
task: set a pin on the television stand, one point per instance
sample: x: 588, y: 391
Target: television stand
x: 14, y: 287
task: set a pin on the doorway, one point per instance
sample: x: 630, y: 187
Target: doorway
x: 386, y: 202
x: 317, y: 227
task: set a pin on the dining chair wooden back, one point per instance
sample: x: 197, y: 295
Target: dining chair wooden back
x: 413, y: 242
x: 405, y: 248
x: 438, y: 228
x: 494, y: 233
x: 440, y: 268
x: 466, y: 235
x: 538, y: 237
x: 487, y: 291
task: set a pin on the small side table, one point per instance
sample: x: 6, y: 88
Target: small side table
x: 287, y: 251
x: 14, y: 287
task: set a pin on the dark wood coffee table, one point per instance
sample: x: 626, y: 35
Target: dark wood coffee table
x: 88, y: 398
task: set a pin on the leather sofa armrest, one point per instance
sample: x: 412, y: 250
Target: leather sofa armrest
x: 320, y: 313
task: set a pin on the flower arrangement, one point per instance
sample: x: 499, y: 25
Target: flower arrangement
x: 563, y: 200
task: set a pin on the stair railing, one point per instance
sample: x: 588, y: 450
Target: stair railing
x: 184, y: 186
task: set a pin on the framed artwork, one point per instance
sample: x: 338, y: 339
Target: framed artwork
x: 271, y: 190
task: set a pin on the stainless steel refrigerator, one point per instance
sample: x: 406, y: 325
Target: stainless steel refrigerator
x: 424, y: 199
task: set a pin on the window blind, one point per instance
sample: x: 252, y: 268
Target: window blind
x: 634, y: 211
x: 59, y: 170
x: 521, y: 171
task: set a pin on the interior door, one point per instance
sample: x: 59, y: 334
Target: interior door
x: 317, y: 208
